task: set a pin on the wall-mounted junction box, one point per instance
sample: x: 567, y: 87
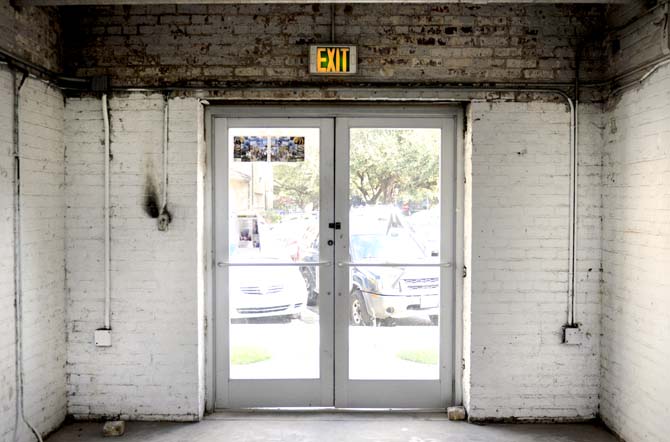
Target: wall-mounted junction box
x: 103, y: 337
x: 573, y: 335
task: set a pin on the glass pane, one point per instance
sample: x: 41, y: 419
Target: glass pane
x: 274, y: 219
x: 394, y: 219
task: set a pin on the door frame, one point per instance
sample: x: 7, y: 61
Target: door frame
x: 389, y: 393
x: 245, y: 393
x: 452, y: 112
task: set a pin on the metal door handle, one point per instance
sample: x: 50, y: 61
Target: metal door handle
x: 391, y: 264
x: 222, y: 264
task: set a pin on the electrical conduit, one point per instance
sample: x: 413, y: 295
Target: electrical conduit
x: 18, y: 291
x: 108, y: 293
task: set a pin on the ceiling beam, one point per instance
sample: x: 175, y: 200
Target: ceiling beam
x: 241, y: 2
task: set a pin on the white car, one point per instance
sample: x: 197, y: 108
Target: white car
x: 265, y: 291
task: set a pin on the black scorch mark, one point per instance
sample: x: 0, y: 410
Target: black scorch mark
x: 151, y: 198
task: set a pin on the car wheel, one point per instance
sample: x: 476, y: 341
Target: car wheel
x: 312, y: 297
x: 310, y: 281
x: 434, y: 319
x: 387, y: 322
x: 358, y: 315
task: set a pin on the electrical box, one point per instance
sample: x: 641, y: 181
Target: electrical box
x: 103, y: 337
x: 573, y: 335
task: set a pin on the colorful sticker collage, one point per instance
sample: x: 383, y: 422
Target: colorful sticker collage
x: 283, y: 149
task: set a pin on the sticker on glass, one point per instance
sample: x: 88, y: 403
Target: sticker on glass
x: 249, y: 238
x: 250, y: 148
x: 287, y: 149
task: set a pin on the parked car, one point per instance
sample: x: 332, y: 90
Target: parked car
x: 308, y: 251
x: 257, y: 292
x: 426, y: 225
x: 383, y: 294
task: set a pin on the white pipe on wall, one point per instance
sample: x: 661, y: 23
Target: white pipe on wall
x: 108, y: 293
x: 166, y: 121
x: 572, y: 232
x: 164, y: 216
x: 18, y: 289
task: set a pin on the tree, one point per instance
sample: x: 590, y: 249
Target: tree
x: 296, y: 185
x: 388, y: 166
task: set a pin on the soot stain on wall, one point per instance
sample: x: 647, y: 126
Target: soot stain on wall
x: 151, y: 197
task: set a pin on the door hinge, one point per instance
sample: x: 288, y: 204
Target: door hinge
x: 465, y: 272
x: 336, y: 225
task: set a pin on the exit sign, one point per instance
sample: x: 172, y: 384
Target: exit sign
x: 332, y: 59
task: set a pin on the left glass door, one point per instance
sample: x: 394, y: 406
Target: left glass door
x: 273, y: 203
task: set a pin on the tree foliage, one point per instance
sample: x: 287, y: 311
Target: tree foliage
x: 387, y: 166
x: 296, y: 185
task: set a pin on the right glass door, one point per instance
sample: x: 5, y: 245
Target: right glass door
x: 394, y: 322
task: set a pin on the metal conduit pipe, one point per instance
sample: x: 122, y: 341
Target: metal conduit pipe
x: 332, y: 22
x: 108, y: 293
x: 639, y: 82
x: 460, y: 88
x: 18, y: 289
x: 574, y: 183
x: 164, y: 216
x: 166, y: 123
x: 57, y: 79
x: 573, y: 171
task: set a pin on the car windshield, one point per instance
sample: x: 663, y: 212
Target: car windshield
x: 394, y: 246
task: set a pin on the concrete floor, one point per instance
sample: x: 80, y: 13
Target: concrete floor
x: 334, y: 427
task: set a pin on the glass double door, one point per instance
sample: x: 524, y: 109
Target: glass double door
x: 334, y: 244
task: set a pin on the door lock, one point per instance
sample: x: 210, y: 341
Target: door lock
x: 331, y: 242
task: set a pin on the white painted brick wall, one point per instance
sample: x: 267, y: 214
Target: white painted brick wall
x: 518, y: 367
x: 635, y: 357
x: 520, y: 269
x: 152, y: 370
x: 43, y: 233
x: 635, y: 38
x: 7, y: 338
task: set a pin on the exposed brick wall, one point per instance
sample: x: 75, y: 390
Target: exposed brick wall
x: 200, y: 44
x: 32, y: 33
x: 518, y: 367
x: 635, y: 357
x: 43, y: 252
x: 153, y: 369
x: 42, y: 257
x: 516, y: 364
x: 634, y: 37
x: 7, y: 337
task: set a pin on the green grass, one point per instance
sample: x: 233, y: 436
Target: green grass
x: 248, y: 355
x: 428, y: 357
